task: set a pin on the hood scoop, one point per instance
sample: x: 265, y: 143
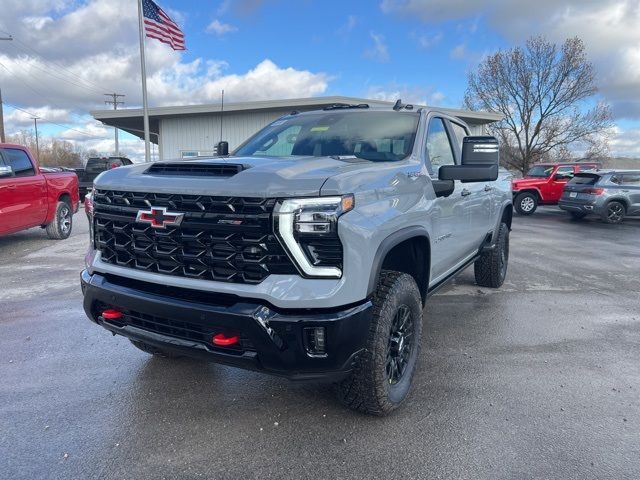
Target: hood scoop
x: 187, y: 169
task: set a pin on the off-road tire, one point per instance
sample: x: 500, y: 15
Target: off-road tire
x: 62, y: 223
x: 491, y: 268
x: 614, y: 212
x: 369, y: 387
x: 158, y: 352
x: 525, y: 203
x: 577, y: 215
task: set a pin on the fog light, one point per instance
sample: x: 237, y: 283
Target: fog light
x: 223, y: 340
x: 112, y: 314
x: 315, y: 341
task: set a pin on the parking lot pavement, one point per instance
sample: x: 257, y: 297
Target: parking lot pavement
x: 539, y: 379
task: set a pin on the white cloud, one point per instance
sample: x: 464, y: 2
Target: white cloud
x: 428, y: 41
x: 220, y: 29
x: 625, y: 143
x: 609, y: 28
x: 459, y: 51
x: 409, y: 94
x: 379, y: 51
x: 60, y: 65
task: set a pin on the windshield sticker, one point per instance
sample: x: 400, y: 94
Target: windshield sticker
x: 319, y: 129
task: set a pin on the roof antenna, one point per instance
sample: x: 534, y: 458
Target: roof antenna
x: 398, y: 105
x: 221, y: 112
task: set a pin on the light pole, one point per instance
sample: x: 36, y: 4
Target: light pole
x: 35, y: 121
x: 2, y: 139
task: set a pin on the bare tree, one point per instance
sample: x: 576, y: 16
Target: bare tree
x: 544, y: 93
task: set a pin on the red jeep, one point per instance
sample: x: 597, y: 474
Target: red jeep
x: 543, y: 184
x: 30, y: 197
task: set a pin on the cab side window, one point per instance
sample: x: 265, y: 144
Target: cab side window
x: 439, y: 151
x: 460, y: 132
x: 565, y: 172
x: 628, y: 179
x: 19, y: 161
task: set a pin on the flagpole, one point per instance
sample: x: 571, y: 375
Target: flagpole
x: 145, y: 108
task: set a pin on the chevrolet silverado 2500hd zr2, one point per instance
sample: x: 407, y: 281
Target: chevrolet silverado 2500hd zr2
x: 31, y: 197
x: 308, y: 253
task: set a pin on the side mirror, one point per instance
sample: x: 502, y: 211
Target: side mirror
x: 480, y: 159
x: 6, y: 171
x: 222, y: 149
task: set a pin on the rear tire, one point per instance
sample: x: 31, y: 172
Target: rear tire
x: 491, y: 268
x: 382, y: 375
x: 525, y: 203
x: 577, y: 215
x: 150, y: 349
x: 62, y: 223
x: 614, y: 212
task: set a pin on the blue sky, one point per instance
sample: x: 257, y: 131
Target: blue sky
x: 64, y: 57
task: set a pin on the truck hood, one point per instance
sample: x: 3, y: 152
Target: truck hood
x: 258, y: 176
x: 527, y: 182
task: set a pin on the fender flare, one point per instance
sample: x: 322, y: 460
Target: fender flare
x: 387, y: 245
x: 506, y: 207
x: 531, y: 190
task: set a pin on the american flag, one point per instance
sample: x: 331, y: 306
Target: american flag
x: 159, y: 25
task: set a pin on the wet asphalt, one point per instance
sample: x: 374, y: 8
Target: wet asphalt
x: 540, y: 379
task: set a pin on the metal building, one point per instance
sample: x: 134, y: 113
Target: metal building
x: 193, y: 130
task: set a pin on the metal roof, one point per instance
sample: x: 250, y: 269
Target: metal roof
x: 130, y: 119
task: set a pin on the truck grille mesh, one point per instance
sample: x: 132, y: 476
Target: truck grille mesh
x: 226, y: 239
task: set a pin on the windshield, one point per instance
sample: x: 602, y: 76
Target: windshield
x: 375, y: 136
x: 541, y: 171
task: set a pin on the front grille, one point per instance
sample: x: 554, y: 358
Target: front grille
x: 226, y: 239
x: 195, y: 169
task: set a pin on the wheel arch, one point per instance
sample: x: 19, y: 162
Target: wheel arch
x: 408, y: 251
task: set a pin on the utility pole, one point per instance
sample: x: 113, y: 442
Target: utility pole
x: 35, y: 122
x: 2, y: 138
x: 115, y: 102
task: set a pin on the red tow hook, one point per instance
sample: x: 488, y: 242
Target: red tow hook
x: 112, y: 314
x: 223, y: 341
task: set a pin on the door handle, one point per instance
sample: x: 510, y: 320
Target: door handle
x: 465, y: 192
x: 488, y: 188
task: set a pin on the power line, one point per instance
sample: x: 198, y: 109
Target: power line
x: 53, y: 123
x: 89, y: 85
x: 37, y: 92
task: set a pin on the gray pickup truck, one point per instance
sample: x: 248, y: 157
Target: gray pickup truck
x: 309, y: 253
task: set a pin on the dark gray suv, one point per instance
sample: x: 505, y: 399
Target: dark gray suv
x: 611, y: 194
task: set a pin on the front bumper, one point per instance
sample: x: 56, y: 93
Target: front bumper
x: 271, y: 340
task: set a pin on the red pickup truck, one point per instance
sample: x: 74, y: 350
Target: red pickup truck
x: 544, y: 183
x: 31, y: 198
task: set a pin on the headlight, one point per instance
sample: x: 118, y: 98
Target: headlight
x: 88, y: 209
x: 308, y: 230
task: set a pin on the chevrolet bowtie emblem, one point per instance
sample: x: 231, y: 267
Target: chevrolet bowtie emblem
x: 159, y: 217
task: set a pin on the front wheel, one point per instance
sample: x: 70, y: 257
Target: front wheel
x: 383, y: 374
x: 60, y: 226
x: 491, y: 268
x: 525, y: 203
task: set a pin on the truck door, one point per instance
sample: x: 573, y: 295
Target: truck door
x: 559, y: 180
x: 24, y: 198
x: 450, y: 216
x: 481, y: 203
